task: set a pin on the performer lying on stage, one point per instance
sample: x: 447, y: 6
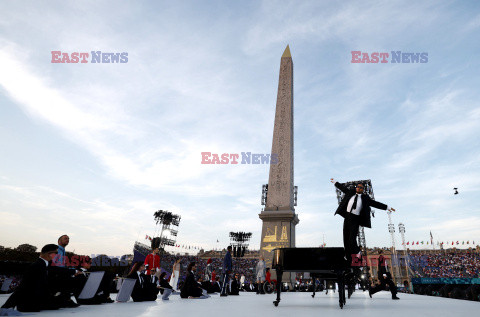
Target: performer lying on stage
x: 355, y: 208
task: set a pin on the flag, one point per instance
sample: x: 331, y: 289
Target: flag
x: 417, y: 242
x: 463, y: 242
x: 468, y: 241
x: 422, y: 242
x: 217, y: 240
x: 458, y: 243
x: 146, y: 236
x: 431, y: 236
x: 452, y: 242
x: 408, y: 242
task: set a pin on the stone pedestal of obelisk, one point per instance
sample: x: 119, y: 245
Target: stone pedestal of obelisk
x: 279, y: 218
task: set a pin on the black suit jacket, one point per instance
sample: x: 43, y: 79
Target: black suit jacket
x: 367, y: 203
x: 33, y: 293
x: 142, y: 292
x: 190, y: 287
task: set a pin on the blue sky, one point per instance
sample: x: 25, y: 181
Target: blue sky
x: 92, y: 150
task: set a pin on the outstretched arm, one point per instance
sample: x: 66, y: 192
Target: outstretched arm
x: 342, y: 187
x: 379, y: 205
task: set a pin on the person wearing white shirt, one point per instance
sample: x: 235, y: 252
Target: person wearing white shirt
x: 355, y: 208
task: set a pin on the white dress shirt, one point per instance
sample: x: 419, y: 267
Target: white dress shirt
x: 355, y: 211
x: 46, y: 262
x: 140, y: 278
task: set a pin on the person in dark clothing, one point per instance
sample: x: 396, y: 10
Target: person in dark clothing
x: 166, y: 288
x: 384, y: 277
x: 355, y: 208
x: 205, y: 285
x: 191, y: 289
x: 80, y: 279
x: 217, y: 287
x: 235, y: 286
x: 153, y: 282
x: 227, y: 268
x: 141, y: 291
x: 34, y: 292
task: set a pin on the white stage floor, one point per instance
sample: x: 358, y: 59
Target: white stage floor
x: 292, y: 304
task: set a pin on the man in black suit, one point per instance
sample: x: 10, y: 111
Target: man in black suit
x: 355, y: 208
x: 191, y: 289
x: 141, y: 291
x: 80, y: 279
x: 384, y: 277
x: 235, y: 286
x: 217, y: 287
x: 34, y: 292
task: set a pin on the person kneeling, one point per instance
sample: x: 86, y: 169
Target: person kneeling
x: 165, y: 288
x: 141, y: 291
x: 35, y: 292
x: 191, y: 289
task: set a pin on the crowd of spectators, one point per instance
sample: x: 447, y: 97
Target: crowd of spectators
x: 459, y: 264
x: 241, y: 266
x: 13, y: 284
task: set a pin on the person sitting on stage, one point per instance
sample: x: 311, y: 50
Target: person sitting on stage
x: 34, y: 292
x: 217, y: 287
x: 191, y: 289
x: 166, y: 288
x: 80, y: 279
x: 355, y: 208
x: 242, y: 282
x: 141, y: 291
x: 60, y: 276
x: 153, y: 282
x: 384, y: 277
x: 235, y: 286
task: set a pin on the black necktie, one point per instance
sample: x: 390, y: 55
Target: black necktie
x: 354, y: 203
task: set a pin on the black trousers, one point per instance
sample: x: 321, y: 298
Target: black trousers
x: 382, y: 286
x: 225, y: 283
x: 351, y: 224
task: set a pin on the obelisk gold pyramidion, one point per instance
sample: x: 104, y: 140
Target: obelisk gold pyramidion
x: 279, y: 218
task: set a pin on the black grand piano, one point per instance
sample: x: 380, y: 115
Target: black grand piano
x: 323, y: 263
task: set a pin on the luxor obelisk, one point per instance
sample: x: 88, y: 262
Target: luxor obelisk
x: 279, y: 218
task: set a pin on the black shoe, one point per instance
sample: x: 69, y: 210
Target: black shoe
x: 223, y: 295
x: 395, y: 297
x: 109, y: 301
x: 370, y: 293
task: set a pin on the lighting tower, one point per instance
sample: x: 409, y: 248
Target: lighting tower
x: 168, y: 221
x: 391, y: 229
x: 401, y: 229
x: 239, y: 243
